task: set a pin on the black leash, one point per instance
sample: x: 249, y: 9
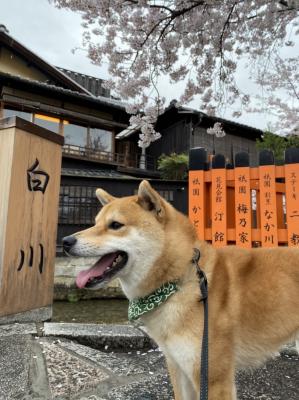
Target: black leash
x: 204, y: 364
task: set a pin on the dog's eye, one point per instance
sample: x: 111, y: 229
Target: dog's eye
x: 115, y: 225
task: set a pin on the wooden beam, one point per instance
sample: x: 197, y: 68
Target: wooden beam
x: 63, y: 113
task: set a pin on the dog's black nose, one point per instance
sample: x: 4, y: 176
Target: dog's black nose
x: 68, y: 242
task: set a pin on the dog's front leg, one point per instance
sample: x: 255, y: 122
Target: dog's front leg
x: 222, y: 391
x: 183, y: 388
x: 173, y: 373
x: 221, y: 371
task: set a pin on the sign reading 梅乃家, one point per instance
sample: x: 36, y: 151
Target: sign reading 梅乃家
x: 243, y: 206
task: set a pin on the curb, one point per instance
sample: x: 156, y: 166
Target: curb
x: 98, y: 336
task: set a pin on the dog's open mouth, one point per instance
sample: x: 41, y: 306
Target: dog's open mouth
x: 103, y: 270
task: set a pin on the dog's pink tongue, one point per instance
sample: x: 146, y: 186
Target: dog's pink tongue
x: 95, y: 271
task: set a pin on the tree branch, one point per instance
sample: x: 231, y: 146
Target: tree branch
x: 225, y: 27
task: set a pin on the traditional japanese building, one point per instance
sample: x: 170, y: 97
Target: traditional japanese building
x: 184, y: 128
x: 84, y: 113
x: 100, y: 148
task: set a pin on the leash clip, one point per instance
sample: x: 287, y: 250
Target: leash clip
x: 196, y: 256
x: 203, y: 282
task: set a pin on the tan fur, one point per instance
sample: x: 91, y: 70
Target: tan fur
x: 253, y: 294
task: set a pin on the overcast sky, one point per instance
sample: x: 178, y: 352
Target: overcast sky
x: 52, y: 34
x: 49, y: 32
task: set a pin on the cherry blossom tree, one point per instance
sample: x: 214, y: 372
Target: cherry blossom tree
x: 198, y: 42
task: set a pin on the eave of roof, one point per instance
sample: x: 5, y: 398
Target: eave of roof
x: 192, y: 111
x: 67, y: 92
x: 128, y: 131
x: 9, y: 41
x: 94, y: 173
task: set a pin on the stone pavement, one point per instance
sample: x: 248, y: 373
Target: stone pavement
x: 111, y: 362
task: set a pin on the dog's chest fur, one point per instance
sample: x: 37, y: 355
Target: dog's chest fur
x: 175, y: 326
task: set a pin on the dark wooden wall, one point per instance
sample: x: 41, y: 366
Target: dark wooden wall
x: 175, y: 139
x: 181, y: 136
x: 228, y: 145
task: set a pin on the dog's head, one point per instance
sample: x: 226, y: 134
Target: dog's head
x: 127, y: 237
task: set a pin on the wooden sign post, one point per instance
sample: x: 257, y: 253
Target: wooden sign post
x: 30, y: 166
x: 197, y: 162
x: 292, y: 195
x: 219, y: 214
x: 242, y: 200
x: 269, y: 237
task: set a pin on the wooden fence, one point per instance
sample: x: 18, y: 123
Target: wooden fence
x: 241, y: 205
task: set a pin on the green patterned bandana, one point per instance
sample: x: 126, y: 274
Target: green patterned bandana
x: 138, y: 307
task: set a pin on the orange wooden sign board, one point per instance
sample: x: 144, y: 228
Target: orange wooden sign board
x: 197, y: 202
x: 219, y: 214
x: 220, y: 199
x: 243, y: 207
x: 292, y: 203
x: 267, y: 189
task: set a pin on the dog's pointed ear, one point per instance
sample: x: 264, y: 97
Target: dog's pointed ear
x: 149, y: 199
x: 104, y: 197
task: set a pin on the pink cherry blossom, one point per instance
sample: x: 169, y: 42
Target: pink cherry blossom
x: 198, y: 42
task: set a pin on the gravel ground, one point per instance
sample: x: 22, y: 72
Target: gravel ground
x: 142, y: 375
x: 277, y: 380
x: 46, y: 366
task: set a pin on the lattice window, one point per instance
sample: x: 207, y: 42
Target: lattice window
x: 78, y: 205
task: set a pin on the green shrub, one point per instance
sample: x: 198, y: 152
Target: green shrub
x: 173, y: 166
x: 273, y: 142
x: 278, y: 144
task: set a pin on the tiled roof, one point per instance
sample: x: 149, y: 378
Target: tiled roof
x: 188, y: 110
x: 99, y: 99
x: 128, y: 131
x: 92, y: 84
x: 94, y: 173
x: 56, y: 75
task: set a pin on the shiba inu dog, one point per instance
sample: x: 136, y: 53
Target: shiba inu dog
x: 253, y: 294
